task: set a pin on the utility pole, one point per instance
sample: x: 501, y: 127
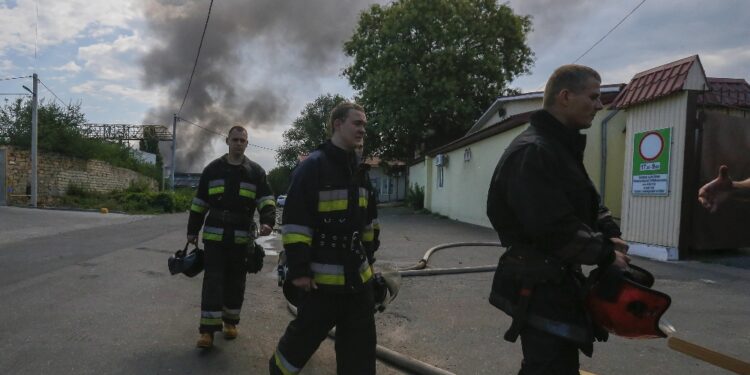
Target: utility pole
x: 34, y: 118
x: 34, y: 136
x: 174, y: 141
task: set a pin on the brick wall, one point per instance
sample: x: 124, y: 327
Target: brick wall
x: 56, y: 172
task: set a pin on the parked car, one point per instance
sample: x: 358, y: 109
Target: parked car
x: 280, y: 200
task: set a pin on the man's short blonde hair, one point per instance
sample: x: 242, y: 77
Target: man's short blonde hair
x: 340, y: 112
x: 571, y: 77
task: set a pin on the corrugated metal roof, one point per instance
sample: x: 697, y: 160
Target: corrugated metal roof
x: 726, y: 92
x: 656, y: 82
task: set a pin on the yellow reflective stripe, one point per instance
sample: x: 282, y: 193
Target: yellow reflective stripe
x: 368, y: 236
x: 266, y: 203
x: 247, y: 193
x: 282, y: 363
x: 291, y: 238
x: 363, y: 201
x: 212, y: 236
x: 337, y: 205
x: 230, y: 313
x: 211, y: 321
x: 199, y: 209
x: 322, y: 278
x: 240, y: 240
x: 366, y: 274
x: 216, y: 190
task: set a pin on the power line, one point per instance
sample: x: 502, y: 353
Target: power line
x: 14, y: 94
x: 600, y: 40
x: 12, y: 78
x: 195, y: 64
x: 610, y: 31
x: 53, y: 93
x: 223, y: 134
x: 202, y: 127
x: 265, y: 148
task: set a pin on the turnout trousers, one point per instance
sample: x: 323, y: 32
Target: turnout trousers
x: 546, y: 354
x: 354, y: 318
x: 223, y: 285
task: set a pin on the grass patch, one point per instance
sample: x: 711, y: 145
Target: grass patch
x: 133, y: 200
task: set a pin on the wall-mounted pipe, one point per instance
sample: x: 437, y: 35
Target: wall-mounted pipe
x: 603, y: 166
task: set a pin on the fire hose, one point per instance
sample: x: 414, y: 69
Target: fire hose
x: 418, y: 367
x: 395, y: 358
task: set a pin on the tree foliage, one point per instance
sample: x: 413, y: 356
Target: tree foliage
x: 426, y: 70
x: 59, y: 132
x: 57, y: 126
x: 308, y: 130
x: 150, y: 141
x: 278, y: 179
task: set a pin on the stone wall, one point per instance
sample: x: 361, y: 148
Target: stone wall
x: 56, y: 172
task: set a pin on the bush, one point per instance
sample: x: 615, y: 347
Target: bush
x: 77, y: 190
x: 60, y: 132
x: 415, y: 197
x: 140, y: 185
x: 131, y: 200
x: 182, y: 199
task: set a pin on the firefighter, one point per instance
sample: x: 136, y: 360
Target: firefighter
x: 231, y: 188
x: 547, y: 214
x: 329, y: 233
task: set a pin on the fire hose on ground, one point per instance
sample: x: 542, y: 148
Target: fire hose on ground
x: 395, y: 358
x: 418, y: 367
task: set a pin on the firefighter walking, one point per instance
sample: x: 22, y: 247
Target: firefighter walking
x: 231, y: 188
x: 547, y: 213
x: 330, y: 233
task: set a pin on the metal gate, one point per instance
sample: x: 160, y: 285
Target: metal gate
x: 3, y: 190
x: 724, y: 140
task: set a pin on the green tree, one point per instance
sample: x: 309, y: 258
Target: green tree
x: 59, y: 131
x: 150, y: 143
x: 279, y: 178
x: 58, y: 126
x: 426, y: 70
x: 308, y: 130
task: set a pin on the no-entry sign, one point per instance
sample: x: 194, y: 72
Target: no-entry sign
x: 651, y: 162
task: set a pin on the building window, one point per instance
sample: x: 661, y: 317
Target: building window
x: 440, y: 176
x: 467, y: 154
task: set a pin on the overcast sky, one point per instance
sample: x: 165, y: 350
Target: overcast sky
x: 263, y: 60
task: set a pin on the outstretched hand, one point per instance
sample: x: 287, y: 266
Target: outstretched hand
x: 714, y: 193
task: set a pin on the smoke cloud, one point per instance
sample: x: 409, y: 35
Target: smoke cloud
x: 256, y: 56
x: 553, y: 18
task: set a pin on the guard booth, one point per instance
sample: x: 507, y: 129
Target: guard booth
x: 680, y: 126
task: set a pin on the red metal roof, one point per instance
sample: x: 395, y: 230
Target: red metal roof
x: 375, y: 161
x: 726, y: 92
x: 656, y: 83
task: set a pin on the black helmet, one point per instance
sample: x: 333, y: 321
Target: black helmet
x: 385, y: 286
x: 187, y: 264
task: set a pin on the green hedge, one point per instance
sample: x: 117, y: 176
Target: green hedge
x: 131, y: 200
x: 415, y: 197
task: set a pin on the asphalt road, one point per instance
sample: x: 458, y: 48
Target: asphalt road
x: 86, y: 293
